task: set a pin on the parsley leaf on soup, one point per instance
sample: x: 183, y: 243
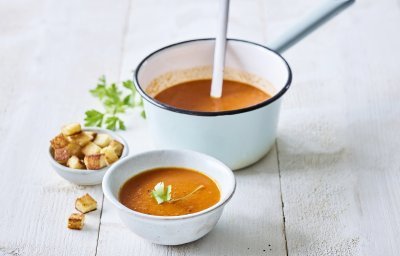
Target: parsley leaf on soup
x: 164, y: 195
x: 160, y: 193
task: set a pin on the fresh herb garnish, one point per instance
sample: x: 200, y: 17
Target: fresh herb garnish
x: 115, y: 102
x: 161, y: 195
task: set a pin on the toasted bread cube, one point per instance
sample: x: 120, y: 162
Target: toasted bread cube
x: 85, y: 204
x: 71, y: 129
x: 91, y: 149
x: 62, y: 155
x: 102, y: 140
x: 75, y: 150
x: 95, y: 162
x: 110, y: 155
x: 117, y: 146
x: 59, y: 142
x: 91, y: 134
x: 76, y: 221
x: 75, y: 163
x: 80, y: 138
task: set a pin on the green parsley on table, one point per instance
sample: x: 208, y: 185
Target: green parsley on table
x: 115, y: 101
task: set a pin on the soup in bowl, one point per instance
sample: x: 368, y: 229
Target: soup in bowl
x: 169, y: 197
x: 240, y: 127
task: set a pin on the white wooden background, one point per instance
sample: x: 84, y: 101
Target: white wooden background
x: 331, y: 186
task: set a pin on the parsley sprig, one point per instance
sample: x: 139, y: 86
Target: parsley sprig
x: 115, y: 102
x: 164, y: 195
x: 160, y: 193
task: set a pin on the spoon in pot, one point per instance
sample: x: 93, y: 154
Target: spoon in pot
x: 321, y: 14
x: 219, y: 51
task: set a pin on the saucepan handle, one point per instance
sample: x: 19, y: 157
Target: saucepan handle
x: 324, y: 12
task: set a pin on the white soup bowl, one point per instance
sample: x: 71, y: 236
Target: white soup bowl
x: 169, y: 230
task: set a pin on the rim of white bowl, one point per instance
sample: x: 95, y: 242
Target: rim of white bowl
x: 165, y: 106
x: 109, y: 195
x: 125, y: 152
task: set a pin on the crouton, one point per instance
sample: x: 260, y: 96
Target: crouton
x: 95, y: 162
x: 110, y: 155
x: 117, y: 146
x: 71, y: 129
x: 59, y: 142
x: 80, y: 149
x: 75, y: 150
x: 102, y: 140
x: 62, y: 155
x: 91, y: 134
x: 76, y: 221
x: 85, y: 204
x: 91, y: 149
x: 80, y: 138
x: 75, y: 163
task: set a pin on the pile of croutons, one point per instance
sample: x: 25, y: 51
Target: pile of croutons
x: 79, y: 149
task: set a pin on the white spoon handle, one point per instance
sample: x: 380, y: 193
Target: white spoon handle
x: 219, y: 52
x: 324, y: 12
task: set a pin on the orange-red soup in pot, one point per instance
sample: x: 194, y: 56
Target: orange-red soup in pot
x: 195, y: 96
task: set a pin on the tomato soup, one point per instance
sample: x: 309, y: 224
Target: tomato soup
x: 195, y: 96
x: 191, y: 191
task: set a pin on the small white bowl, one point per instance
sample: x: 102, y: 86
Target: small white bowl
x: 87, y: 177
x: 169, y: 230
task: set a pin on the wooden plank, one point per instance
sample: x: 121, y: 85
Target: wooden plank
x: 339, y: 134
x: 51, y: 54
x: 249, y: 225
x: 337, y: 145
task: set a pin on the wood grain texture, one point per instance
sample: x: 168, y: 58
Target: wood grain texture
x: 336, y: 150
x: 51, y: 54
x: 338, y: 135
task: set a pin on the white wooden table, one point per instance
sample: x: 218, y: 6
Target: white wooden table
x: 331, y: 185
